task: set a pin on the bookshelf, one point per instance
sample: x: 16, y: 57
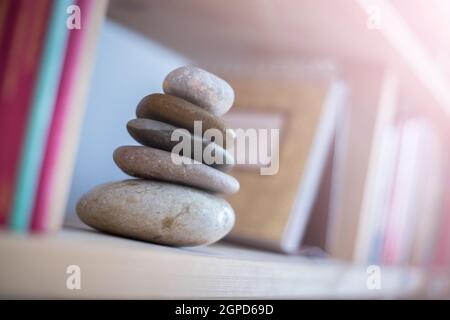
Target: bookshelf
x: 113, y: 267
x: 225, y: 34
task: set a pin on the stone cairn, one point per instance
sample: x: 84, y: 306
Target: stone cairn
x: 171, y: 203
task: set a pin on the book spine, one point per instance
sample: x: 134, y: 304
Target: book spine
x: 441, y: 252
x: 8, y: 11
x: 59, y: 121
x: 388, y: 249
x: 43, y: 101
x: 16, y: 89
x: 431, y: 198
x: 4, y: 15
x: 29, y: 60
x: 406, y: 196
x: 66, y: 158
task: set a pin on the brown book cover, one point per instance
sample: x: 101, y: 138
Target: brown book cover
x: 273, y: 210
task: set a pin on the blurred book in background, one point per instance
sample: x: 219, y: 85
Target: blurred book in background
x: 389, y: 175
x: 414, y: 203
x: 303, y: 100
x: 353, y: 144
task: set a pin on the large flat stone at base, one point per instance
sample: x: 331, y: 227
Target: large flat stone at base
x: 157, y: 212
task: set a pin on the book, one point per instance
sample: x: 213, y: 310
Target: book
x: 5, y: 13
x: 8, y: 26
x: 371, y: 213
x: 441, y: 251
x: 431, y: 197
x: 43, y: 102
x: 416, y: 203
x: 16, y: 90
x: 9, y: 9
x: 317, y: 228
x: 272, y: 211
x: 62, y: 140
x: 354, y: 141
x: 382, y: 199
x: 409, y: 195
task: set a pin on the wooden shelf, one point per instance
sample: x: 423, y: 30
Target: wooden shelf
x: 34, y: 266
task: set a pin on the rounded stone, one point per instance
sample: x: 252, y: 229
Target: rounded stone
x: 182, y: 114
x: 200, y: 87
x: 157, y: 212
x: 156, y: 134
x: 150, y: 163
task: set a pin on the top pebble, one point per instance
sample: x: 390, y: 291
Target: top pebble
x: 201, y: 88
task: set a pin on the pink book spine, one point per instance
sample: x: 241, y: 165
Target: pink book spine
x: 390, y: 241
x: 54, y: 144
x: 17, y: 86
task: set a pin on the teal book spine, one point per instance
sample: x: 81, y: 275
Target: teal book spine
x: 43, y: 102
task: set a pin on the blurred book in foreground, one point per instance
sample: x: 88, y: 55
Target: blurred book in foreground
x: 48, y: 52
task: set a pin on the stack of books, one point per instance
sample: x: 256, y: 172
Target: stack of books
x: 392, y: 208
x: 46, y: 55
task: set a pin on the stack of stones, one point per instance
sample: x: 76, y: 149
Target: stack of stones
x: 171, y: 203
